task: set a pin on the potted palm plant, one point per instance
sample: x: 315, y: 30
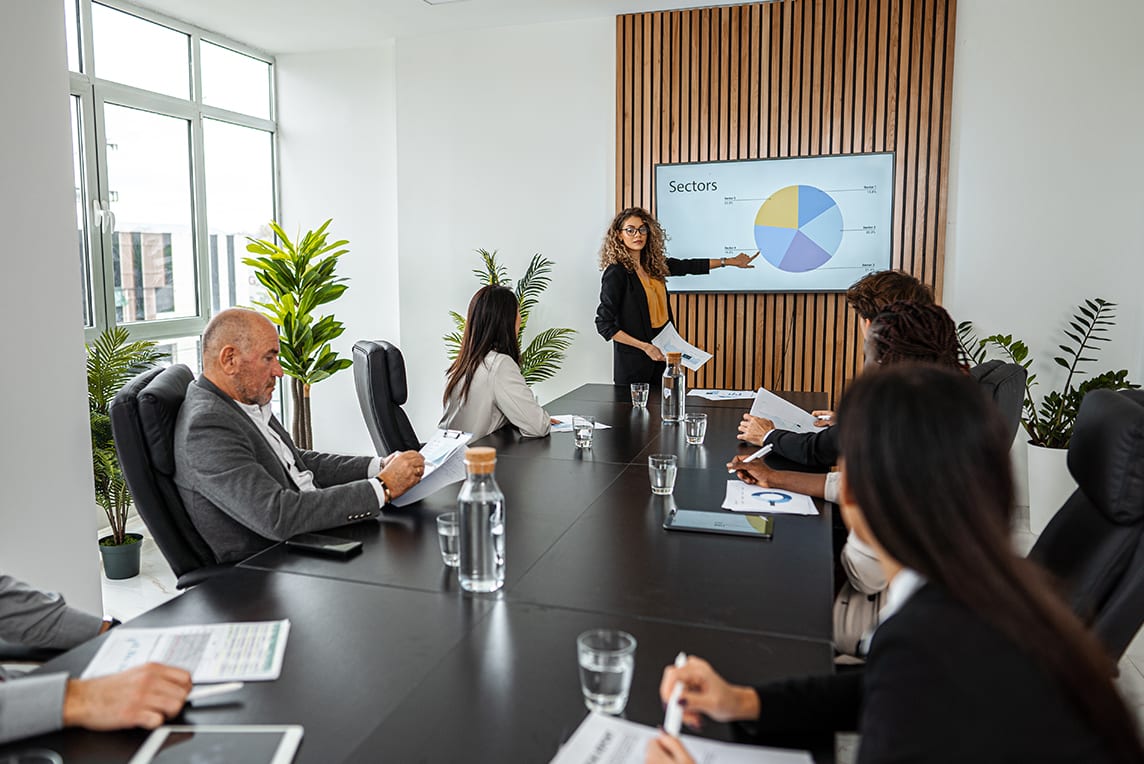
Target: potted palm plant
x: 112, y: 360
x: 1049, y: 422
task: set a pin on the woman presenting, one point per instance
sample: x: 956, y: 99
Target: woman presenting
x: 633, y: 294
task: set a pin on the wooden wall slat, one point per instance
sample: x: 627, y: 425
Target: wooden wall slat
x: 790, y: 78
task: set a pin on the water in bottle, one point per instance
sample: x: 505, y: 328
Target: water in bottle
x: 480, y: 515
x: 674, y: 389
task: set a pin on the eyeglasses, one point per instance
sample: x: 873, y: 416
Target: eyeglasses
x: 642, y: 230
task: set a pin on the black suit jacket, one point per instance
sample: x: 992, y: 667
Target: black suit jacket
x: 623, y: 306
x: 814, y: 449
x: 939, y: 685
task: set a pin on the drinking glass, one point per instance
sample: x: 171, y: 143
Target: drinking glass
x: 583, y: 428
x: 607, y: 660
x: 447, y: 537
x: 661, y: 469
x: 695, y: 428
x: 639, y: 394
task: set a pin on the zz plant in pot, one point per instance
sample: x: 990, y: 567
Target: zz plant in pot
x: 112, y: 360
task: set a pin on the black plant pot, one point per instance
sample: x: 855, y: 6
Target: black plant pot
x: 121, y: 560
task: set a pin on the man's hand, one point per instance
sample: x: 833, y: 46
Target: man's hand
x: 754, y: 428
x: 144, y: 696
x: 653, y: 352
x: 402, y: 472
x: 823, y: 417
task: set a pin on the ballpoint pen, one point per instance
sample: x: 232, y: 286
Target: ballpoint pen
x: 761, y: 452
x: 202, y: 692
x: 673, y: 715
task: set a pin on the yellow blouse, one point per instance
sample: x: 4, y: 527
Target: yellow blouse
x: 656, y: 292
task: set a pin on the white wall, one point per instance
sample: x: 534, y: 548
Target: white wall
x: 49, y: 527
x: 506, y: 141
x: 1047, y: 172
x: 337, y: 141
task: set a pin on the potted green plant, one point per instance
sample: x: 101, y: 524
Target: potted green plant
x: 1049, y: 422
x: 542, y: 358
x: 299, y: 277
x: 112, y: 360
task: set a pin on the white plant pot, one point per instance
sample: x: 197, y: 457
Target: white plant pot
x: 1050, y: 484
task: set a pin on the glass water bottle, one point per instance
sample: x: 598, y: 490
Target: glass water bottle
x: 480, y: 517
x: 674, y: 389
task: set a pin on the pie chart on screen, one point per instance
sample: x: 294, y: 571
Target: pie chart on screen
x: 798, y: 228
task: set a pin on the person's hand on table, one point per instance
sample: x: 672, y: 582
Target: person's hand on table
x: 402, y: 472
x: 667, y: 750
x: 754, y: 428
x: 708, y: 694
x: 741, y: 260
x: 823, y: 417
x: 653, y: 352
x: 752, y: 473
x: 144, y: 696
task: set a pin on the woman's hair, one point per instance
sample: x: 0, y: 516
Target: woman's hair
x: 653, y: 256
x: 490, y: 325
x: 943, y: 506
x: 870, y: 294
x: 911, y: 331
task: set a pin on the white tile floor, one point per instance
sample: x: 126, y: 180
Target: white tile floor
x: 155, y: 584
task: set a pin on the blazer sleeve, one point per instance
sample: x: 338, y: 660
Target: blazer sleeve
x: 814, y: 449
x: 612, y: 285
x: 809, y: 705
x: 690, y: 267
x: 515, y: 400
x: 32, y: 705
x: 336, y: 469
x: 39, y: 619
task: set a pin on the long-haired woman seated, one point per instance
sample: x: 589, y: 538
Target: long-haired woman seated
x: 484, y: 389
x: 975, y: 658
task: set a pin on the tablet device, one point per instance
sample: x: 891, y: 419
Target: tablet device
x: 250, y: 744
x: 732, y: 523
x: 323, y: 546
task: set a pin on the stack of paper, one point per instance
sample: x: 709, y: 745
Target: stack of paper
x: 784, y: 414
x: 669, y: 341
x: 723, y: 395
x: 444, y: 464
x: 563, y: 423
x: 769, y: 501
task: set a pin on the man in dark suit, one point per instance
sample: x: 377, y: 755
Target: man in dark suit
x: 243, y: 481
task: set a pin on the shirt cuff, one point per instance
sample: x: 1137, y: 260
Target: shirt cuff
x: 379, y: 491
x: 375, y: 466
x: 767, y: 437
x: 832, y: 491
x: 38, y: 705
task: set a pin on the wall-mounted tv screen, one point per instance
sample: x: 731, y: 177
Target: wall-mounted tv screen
x: 819, y: 223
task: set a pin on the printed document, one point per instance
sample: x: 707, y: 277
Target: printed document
x: 723, y: 395
x: 607, y: 740
x: 563, y: 423
x: 768, y: 501
x: 444, y: 464
x: 783, y: 413
x: 669, y: 341
x: 217, y: 652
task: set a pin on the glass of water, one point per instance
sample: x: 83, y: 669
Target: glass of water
x: 661, y: 470
x: 639, y: 394
x: 695, y: 428
x: 607, y: 660
x: 583, y: 428
x: 447, y: 537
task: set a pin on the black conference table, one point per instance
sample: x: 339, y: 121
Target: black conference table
x: 388, y: 660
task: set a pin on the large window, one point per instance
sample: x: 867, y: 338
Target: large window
x: 173, y: 152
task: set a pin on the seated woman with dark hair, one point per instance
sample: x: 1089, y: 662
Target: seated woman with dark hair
x: 975, y: 659
x: 485, y: 390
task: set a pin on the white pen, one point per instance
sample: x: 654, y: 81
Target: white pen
x: 673, y: 715
x: 761, y: 452
x: 824, y: 417
x: 202, y: 692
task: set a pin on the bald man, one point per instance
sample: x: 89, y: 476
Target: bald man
x: 243, y: 481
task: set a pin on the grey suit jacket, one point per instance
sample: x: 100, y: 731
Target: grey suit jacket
x: 236, y: 491
x: 34, y: 705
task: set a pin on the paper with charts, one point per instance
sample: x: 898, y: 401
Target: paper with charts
x: 607, y: 740
x: 783, y: 413
x: 723, y: 395
x: 218, y: 652
x: 444, y: 464
x: 669, y: 341
x: 742, y: 497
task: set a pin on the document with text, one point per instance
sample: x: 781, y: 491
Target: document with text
x: 723, y: 395
x: 783, y: 413
x: 607, y: 740
x: 669, y: 341
x: 563, y: 423
x: 742, y: 497
x: 219, y: 652
x: 444, y: 464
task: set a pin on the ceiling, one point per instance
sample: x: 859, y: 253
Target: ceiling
x: 300, y: 26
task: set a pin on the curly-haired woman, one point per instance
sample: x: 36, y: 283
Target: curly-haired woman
x: 633, y: 294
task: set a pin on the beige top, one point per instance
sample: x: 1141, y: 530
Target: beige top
x: 497, y: 396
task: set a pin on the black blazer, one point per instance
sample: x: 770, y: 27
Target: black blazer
x: 623, y: 306
x: 814, y: 449
x: 939, y: 686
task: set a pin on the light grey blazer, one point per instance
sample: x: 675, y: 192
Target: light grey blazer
x: 236, y: 491
x: 498, y: 395
x: 34, y: 705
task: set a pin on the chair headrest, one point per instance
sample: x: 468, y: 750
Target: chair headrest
x: 1106, y: 453
x: 159, y: 404
x: 395, y: 368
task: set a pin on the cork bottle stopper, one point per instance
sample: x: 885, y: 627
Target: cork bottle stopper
x: 480, y: 460
x: 674, y: 357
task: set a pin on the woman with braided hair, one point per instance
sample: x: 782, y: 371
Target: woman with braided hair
x: 633, y: 292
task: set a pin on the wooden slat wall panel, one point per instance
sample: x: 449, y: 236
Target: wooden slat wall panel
x: 780, y: 79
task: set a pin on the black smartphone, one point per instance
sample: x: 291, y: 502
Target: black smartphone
x: 324, y: 546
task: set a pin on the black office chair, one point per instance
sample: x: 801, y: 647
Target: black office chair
x: 1005, y: 383
x: 143, y: 417
x: 379, y: 375
x: 1095, y: 542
